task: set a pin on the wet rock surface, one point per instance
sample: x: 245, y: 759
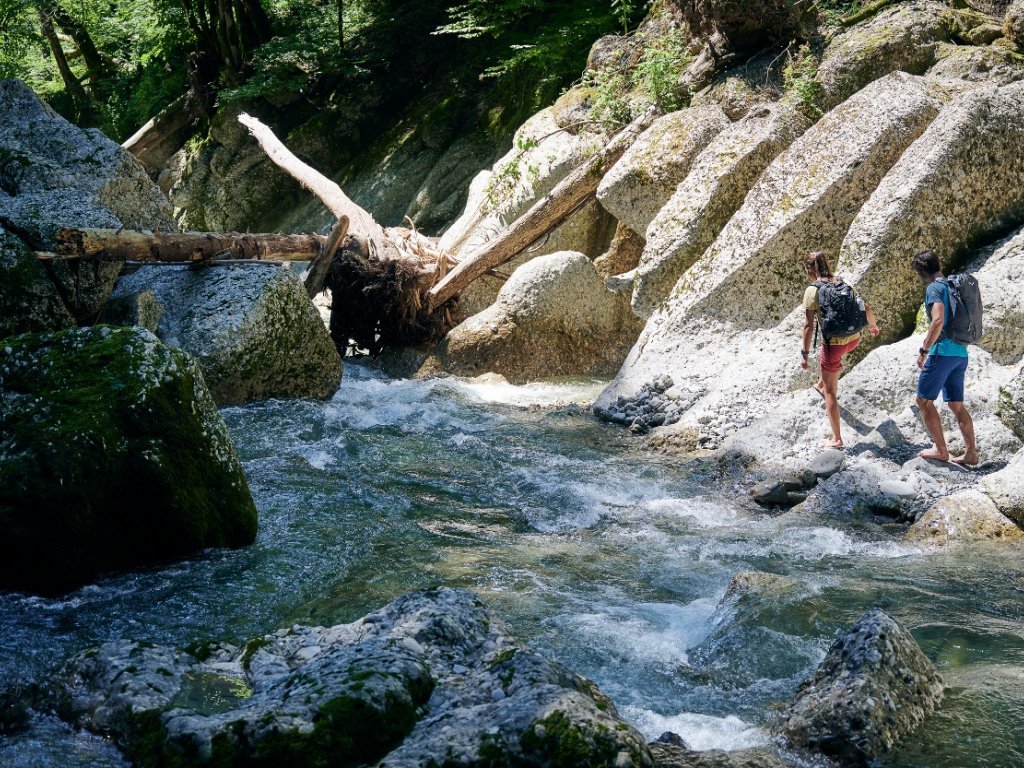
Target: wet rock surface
x: 253, y: 329
x: 966, y: 516
x: 433, y: 678
x: 98, y: 424
x: 873, y: 689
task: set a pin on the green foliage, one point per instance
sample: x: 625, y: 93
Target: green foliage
x: 626, y: 10
x: 503, y: 182
x: 658, y: 72
x: 799, y: 82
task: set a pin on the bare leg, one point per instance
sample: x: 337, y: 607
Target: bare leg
x: 966, y: 423
x: 933, y: 424
x: 830, y: 386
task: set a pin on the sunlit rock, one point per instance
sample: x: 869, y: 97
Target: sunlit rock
x: 646, y: 176
x: 253, y: 329
x: 967, y: 516
x: 112, y: 455
x: 1013, y: 23
x: 554, y: 317
x: 714, y: 189
x: 1006, y: 489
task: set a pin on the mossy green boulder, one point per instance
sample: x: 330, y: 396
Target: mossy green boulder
x: 112, y: 456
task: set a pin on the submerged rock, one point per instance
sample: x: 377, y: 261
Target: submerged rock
x: 963, y: 517
x: 554, y: 317
x: 433, y: 678
x: 253, y: 329
x: 873, y: 689
x: 112, y: 455
x: 644, y: 178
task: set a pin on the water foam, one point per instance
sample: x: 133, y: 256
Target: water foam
x: 700, y: 732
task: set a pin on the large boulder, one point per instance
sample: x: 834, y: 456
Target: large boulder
x: 252, y: 328
x: 903, y: 37
x: 432, y: 678
x: 542, y: 155
x: 718, y: 181
x: 737, y: 354
x: 873, y: 689
x: 54, y: 174
x: 623, y: 253
x: 986, y: 65
x: 29, y: 301
x: 554, y: 317
x: 1010, y: 404
x: 967, y: 516
x: 646, y: 176
x: 745, y: 24
x: 961, y: 181
x: 1001, y: 279
x: 112, y: 455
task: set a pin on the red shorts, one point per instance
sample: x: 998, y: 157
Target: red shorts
x: 832, y: 355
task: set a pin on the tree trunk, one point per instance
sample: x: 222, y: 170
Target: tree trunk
x: 74, y: 87
x: 155, y: 142
x: 546, y: 214
x: 94, y: 62
x: 179, y: 247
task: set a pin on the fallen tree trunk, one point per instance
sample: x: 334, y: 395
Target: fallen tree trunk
x: 166, y: 133
x: 134, y: 245
x: 547, y: 213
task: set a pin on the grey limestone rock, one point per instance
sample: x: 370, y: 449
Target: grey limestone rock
x: 965, y: 516
x: 962, y: 180
x: 29, y: 301
x: 432, y: 678
x: 1006, y: 489
x: 903, y: 37
x: 554, y: 317
x: 714, y: 189
x: 983, y: 65
x: 253, y: 330
x: 873, y: 689
x: 827, y: 463
x: 98, y: 424
x: 646, y: 176
x: 1013, y: 23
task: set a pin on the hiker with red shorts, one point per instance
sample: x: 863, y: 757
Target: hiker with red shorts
x: 835, y: 346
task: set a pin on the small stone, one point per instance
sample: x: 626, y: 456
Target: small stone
x: 827, y: 463
x: 497, y: 694
x: 898, y: 488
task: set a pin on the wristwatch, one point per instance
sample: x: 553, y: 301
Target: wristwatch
x: 922, y: 350
x: 803, y: 353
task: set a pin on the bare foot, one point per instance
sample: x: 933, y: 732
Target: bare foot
x: 833, y: 443
x: 969, y: 459
x: 934, y: 455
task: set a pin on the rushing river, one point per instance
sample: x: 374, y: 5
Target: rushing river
x: 608, y: 559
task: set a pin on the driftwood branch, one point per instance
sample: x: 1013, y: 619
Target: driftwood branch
x: 177, y: 247
x: 322, y: 261
x: 329, y: 193
x: 546, y: 214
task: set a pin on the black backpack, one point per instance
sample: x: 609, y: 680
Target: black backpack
x: 840, y: 311
x: 964, y: 322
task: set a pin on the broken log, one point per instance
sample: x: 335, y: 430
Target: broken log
x: 320, y: 265
x: 166, y: 133
x: 178, y: 247
x: 568, y: 196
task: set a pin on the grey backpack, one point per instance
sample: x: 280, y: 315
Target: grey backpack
x: 965, y: 310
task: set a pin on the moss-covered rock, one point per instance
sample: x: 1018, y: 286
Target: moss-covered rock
x: 1013, y: 23
x: 112, y: 455
x: 253, y: 329
x: 28, y: 300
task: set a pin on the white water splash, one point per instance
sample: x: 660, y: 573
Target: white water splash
x: 700, y: 732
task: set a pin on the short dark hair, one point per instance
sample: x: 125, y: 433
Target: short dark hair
x: 926, y: 263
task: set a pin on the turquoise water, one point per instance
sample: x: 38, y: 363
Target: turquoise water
x: 604, y: 557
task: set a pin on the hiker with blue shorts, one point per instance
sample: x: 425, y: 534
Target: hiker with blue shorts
x: 943, y: 363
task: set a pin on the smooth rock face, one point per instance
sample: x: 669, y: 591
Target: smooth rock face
x: 112, y: 455
x: 718, y: 181
x: 961, y: 180
x: 873, y: 689
x: 29, y: 301
x: 646, y: 176
x: 710, y: 337
x: 963, y: 517
x: 1002, y: 289
x: 554, y: 317
x: 904, y: 38
x: 432, y: 678
x: 253, y: 329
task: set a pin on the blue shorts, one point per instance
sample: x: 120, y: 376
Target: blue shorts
x: 943, y: 373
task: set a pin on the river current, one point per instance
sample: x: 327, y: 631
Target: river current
x: 606, y: 558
